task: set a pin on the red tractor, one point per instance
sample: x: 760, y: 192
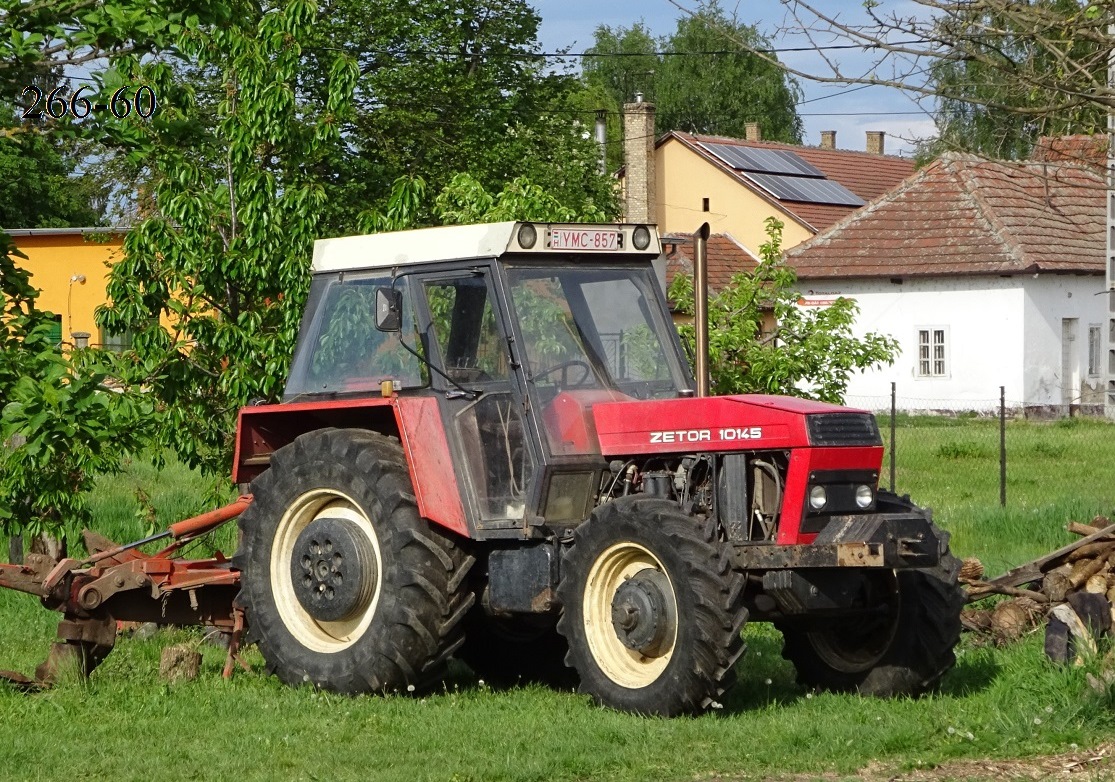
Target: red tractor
x: 490, y: 447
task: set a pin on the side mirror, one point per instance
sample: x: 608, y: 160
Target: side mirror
x: 389, y: 309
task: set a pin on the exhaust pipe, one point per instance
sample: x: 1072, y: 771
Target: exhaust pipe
x: 700, y: 306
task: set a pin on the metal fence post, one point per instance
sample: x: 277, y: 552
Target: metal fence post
x: 1003, y: 446
x: 893, y: 410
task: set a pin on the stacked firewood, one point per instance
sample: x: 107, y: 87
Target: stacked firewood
x: 1072, y: 590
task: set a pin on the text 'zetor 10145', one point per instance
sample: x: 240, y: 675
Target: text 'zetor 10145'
x: 705, y: 435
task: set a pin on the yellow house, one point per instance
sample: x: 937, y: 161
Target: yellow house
x: 680, y: 180
x: 70, y: 268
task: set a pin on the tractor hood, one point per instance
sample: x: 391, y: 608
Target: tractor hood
x: 728, y: 423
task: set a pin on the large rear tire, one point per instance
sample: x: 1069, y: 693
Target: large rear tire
x: 344, y: 585
x: 902, y: 651
x: 652, y: 609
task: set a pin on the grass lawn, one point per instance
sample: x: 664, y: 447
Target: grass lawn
x: 997, y: 703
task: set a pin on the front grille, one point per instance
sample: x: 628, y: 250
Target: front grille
x: 843, y: 429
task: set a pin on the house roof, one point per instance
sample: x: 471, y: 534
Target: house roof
x: 965, y: 215
x: 62, y: 231
x: 726, y: 257
x: 1088, y: 150
x: 866, y: 174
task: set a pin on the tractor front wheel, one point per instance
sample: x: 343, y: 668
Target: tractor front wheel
x: 651, y: 609
x: 904, y: 649
x: 344, y: 585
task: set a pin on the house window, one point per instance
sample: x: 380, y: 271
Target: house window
x: 56, y: 330
x: 933, y: 351
x: 117, y: 342
x: 1094, y: 348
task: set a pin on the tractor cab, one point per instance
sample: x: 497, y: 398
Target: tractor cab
x: 517, y: 340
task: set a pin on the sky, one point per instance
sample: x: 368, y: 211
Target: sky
x: 851, y: 112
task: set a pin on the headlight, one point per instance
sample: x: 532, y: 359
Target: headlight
x: 817, y: 497
x: 864, y: 496
x: 640, y: 237
x: 527, y: 236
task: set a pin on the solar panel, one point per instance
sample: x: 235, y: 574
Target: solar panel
x: 766, y: 161
x: 784, y: 175
x: 806, y: 189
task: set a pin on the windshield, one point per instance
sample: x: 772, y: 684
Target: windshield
x: 341, y: 350
x: 594, y: 328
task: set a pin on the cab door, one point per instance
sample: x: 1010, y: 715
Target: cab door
x: 481, y: 399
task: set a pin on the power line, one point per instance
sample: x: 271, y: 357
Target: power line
x: 445, y: 53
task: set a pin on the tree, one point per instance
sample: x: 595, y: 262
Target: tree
x: 60, y: 427
x: 697, y: 77
x: 809, y: 352
x: 39, y: 187
x: 1044, y: 62
x: 465, y: 200
x: 274, y: 129
x: 41, y: 37
x: 213, y: 282
x: 967, y: 115
x: 456, y: 86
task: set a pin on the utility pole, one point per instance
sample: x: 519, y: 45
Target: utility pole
x: 1106, y: 337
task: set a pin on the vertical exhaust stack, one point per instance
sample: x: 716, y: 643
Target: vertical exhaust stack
x: 700, y: 306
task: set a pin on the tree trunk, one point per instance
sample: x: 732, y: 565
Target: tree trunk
x: 15, y: 549
x: 53, y: 547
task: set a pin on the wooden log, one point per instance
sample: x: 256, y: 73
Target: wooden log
x: 982, y: 589
x: 971, y: 569
x: 1087, y: 569
x: 1091, y: 550
x: 1056, y: 586
x: 1009, y: 621
x: 1083, y: 530
x: 1034, y: 570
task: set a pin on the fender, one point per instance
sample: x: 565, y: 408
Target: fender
x: 263, y: 429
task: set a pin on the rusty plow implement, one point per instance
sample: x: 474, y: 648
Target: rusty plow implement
x: 118, y: 583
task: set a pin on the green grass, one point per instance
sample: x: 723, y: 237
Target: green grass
x: 125, y: 723
x: 1056, y: 472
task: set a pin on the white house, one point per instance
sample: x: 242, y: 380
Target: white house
x: 988, y: 274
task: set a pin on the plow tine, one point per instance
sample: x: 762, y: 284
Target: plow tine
x: 20, y: 682
x: 81, y: 646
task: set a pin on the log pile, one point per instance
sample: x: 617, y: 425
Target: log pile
x: 1072, y: 590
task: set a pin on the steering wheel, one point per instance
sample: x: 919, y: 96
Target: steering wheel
x: 562, y: 367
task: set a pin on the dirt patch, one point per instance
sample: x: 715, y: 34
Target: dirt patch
x: 1096, y: 764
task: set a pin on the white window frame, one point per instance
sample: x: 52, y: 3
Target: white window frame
x: 934, y: 361
x: 1095, y: 349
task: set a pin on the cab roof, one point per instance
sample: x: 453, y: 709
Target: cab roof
x: 488, y: 240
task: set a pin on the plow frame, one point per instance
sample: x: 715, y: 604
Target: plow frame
x: 118, y: 583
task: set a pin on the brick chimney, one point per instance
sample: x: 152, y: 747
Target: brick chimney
x: 752, y: 132
x: 828, y: 139
x: 639, y: 191
x: 875, y: 141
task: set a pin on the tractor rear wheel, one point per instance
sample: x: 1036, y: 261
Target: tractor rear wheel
x: 344, y: 585
x: 904, y: 651
x: 652, y: 609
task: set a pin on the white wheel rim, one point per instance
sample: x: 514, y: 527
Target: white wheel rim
x: 315, y: 634
x: 625, y: 666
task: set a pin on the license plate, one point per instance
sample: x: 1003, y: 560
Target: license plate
x: 576, y: 239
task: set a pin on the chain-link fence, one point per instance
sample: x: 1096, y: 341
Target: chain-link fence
x: 994, y: 452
